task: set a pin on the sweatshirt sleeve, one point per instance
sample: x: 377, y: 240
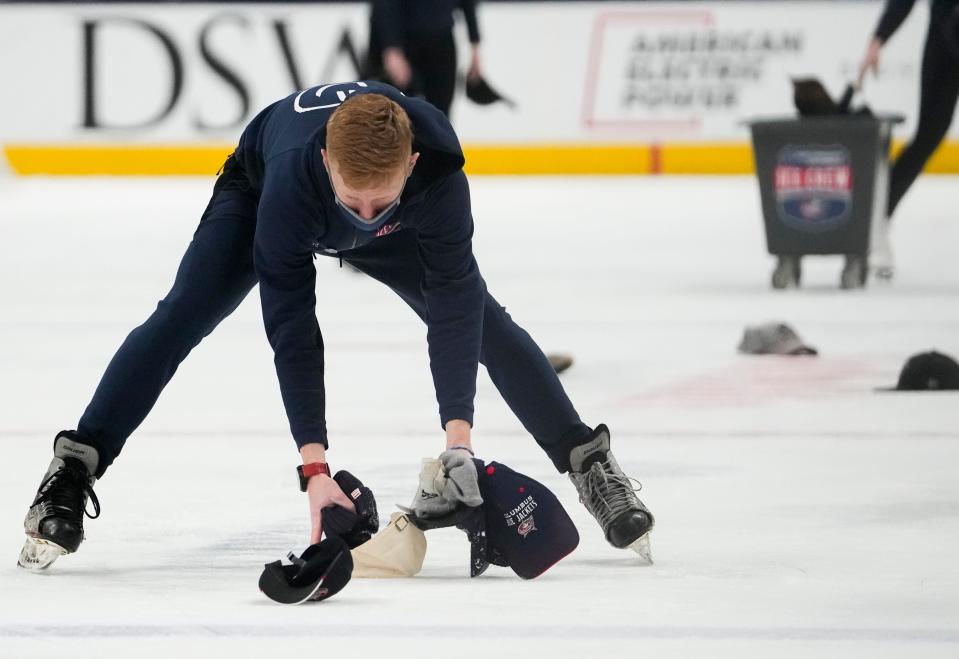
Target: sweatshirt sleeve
x: 455, y: 295
x: 387, y: 21
x: 892, y: 17
x: 283, y: 257
x: 472, y: 25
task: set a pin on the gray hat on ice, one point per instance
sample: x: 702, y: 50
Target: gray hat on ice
x: 773, y: 339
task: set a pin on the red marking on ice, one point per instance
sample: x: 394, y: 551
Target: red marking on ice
x: 758, y: 380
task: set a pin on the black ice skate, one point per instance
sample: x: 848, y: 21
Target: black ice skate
x: 54, y: 523
x: 609, y: 495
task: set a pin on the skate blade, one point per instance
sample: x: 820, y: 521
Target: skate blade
x: 39, y: 554
x: 642, y: 548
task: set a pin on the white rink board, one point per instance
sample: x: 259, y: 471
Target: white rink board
x: 603, y: 72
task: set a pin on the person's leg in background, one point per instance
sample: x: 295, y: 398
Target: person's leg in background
x: 939, y: 91
x: 433, y: 58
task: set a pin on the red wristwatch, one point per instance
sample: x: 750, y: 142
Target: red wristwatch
x: 305, y: 472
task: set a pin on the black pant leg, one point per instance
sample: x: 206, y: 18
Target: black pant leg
x: 528, y: 383
x: 433, y: 59
x: 516, y: 365
x: 939, y: 90
x: 214, y: 276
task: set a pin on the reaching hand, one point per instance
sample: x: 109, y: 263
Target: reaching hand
x: 474, y: 71
x: 446, y: 485
x: 397, y: 68
x: 870, y: 61
x: 323, y: 492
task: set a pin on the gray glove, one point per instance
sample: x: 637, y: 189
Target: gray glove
x: 446, y: 485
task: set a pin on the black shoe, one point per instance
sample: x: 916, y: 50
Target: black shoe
x: 54, y: 522
x: 608, y: 493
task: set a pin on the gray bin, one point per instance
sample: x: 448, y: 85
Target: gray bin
x: 823, y: 182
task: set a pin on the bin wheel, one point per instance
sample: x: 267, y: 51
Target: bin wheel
x: 788, y: 272
x: 854, y: 272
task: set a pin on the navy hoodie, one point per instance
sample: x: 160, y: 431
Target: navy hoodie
x: 297, y: 217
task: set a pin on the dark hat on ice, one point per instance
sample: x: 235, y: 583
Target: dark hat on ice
x: 522, y: 524
x: 480, y: 92
x: 321, y: 572
x: 929, y: 371
x: 773, y: 339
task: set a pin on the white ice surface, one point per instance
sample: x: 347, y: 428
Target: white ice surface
x: 799, y: 512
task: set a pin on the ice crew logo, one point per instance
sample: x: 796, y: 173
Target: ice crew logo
x: 813, y: 187
x: 526, y: 527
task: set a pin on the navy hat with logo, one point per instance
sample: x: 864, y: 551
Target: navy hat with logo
x: 521, y: 524
x: 928, y: 371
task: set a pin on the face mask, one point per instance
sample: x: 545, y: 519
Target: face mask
x: 354, y: 218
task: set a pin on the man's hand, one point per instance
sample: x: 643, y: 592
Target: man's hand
x: 397, y: 68
x: 446, y: 485
x: 870, y: 61
x: 324, y: 492
x: 475, y: 70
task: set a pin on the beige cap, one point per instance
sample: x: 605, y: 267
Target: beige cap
x: 396, y: 551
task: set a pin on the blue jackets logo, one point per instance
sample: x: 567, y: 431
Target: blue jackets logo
x: 813, y: 186
x: 527, y: 526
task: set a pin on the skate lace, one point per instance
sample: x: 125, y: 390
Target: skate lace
x: 67, y: 487
x: 607, y: 494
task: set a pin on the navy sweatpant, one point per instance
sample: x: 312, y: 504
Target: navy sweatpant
x: 216, y: 274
